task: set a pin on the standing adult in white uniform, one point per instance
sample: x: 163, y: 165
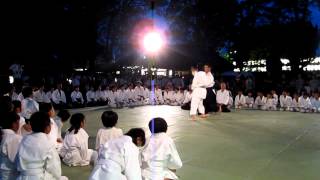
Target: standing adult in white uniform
x: 199, y: 93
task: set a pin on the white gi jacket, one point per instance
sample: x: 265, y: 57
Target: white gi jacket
x: 106, y: 134
x: 285, y: 101
x: 8, y: 151
x: 240, y: 101
x: 223, y: 97
x: 118, y: 160
x: 28, y: 107
x: 159, y: 156
x: 75, y: 95
x: 59, y: 96
x: 41, y: 97
x: 74, y: 151
x: 91, y: 96
x: 199, y: 85
x: 37, y: 158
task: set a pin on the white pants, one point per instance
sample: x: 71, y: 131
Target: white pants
x: 196, y: 104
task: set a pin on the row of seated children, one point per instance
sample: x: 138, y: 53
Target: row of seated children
x: 119, y: 155
x: 303, y: 103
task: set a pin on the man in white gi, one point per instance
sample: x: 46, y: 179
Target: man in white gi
x: 199, y: 93
x: 209, y: 102
x: 305, y: 103
x: 316, y: 103
x: 158, y: 95
x: 40, y: 96
x: 223, y: 97
x: 77, y: 98
x: 91, y: 97
x: 285, y: 101
x: 59, y: 97
x: 240, y: 100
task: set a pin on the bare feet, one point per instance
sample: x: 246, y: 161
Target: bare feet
x: 204, y: 116
x: 193, y: 117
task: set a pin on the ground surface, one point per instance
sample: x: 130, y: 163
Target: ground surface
x: 242, y: 145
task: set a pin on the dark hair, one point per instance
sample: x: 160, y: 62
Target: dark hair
x: 27, y: 91
x: 16, y: 104
x: 39, y: 121
x: 207, y: 64
x: 9, y: 119
x: 109, y: 119
x: 45, y: 107
x: 64, y: 115
x: 75, y: 122
x: 158, y: 125
x: 135, y: 133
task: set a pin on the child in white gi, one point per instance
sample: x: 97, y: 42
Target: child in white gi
x: 37, y: 157
x: 249, y: 100
x: 77, y: 98
x: 316, y: 103
x: 119, y: 158
x: 24, y: 128
x: 160, y: 158
x: 295, y: 103
x: 109, y: 120
x: 285, y: 101
x: 269, y: 103
x: 75, y: 151
x: 305, y: 103
x: 260, y: 101
x: 240, y: 101
x: 9, y: 146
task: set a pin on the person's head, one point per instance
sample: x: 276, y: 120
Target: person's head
x: 305, y: 95
x: 64, y: 115
x: 47, y: 108
x: 77, y: 89
x: 10, y: 121
x: 223, y: 86
x: 109, y: 119
x: 40, y: 123
x: 240, y: 92
x: 76, y: 122
x: 138, y: 136
x: 194, y: 69
x: 207, y: 68
x: 27, y: 92
x: 250, y: 94
x: 41, y: 87
x: 158, y: 125
x: 269, y: 95
x: 273, y: 92
x: 59, y: 86
x: 16, y: 106
x: 91, y: 88
x: 316, y: 95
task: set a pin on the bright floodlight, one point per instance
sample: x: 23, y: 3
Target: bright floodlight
x: 152, y: 42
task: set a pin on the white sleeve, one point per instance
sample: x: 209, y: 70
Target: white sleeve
x: 132, y: 168
x: 73, y: 97
x: 53, y: 164
x: 174, y: 160
x: 54, y: 97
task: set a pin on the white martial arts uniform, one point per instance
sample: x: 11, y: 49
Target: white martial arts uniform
x: 75, y: 151
x: 8, y: 151
x: 275, y: 99
x: 146, y: 96
x: 118, y: 160
x: 121, y: 98
x: 240, y: 101
x: 304, y: 104
x: 179, y: 98
x: 59, y: 96
x: 159, y: 96
x: 14, y: 96
x: 159, y: 156
x: 223, y: 97
x: 28, y: 107
x: 315, y: 104
x: 54, y: 134
x: 209, y: 80
x: 139, y: 91
x: 249, y: 102
x: 41, y: 97
x: 106, y: 134
x: 111, y: 96
x: 295, y: 105
x: 269, y: 104
x: 91, y: 96
x: 187, y: 97
x: 285, y: 103
x: 199, y: 93
x: 21, y: 131
x: 49, y: 95
x: 132, y: 97
x: 37, y: 159
x: 168, y: 97
x: 100, y: 95
x: 76, y: 97
x: 259, y: 102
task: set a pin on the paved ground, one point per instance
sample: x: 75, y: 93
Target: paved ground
x: 242, y: 145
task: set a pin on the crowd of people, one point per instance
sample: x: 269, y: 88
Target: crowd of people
x: 32, y: 146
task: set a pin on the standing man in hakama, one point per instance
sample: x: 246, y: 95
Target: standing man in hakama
x: 209, y: 102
